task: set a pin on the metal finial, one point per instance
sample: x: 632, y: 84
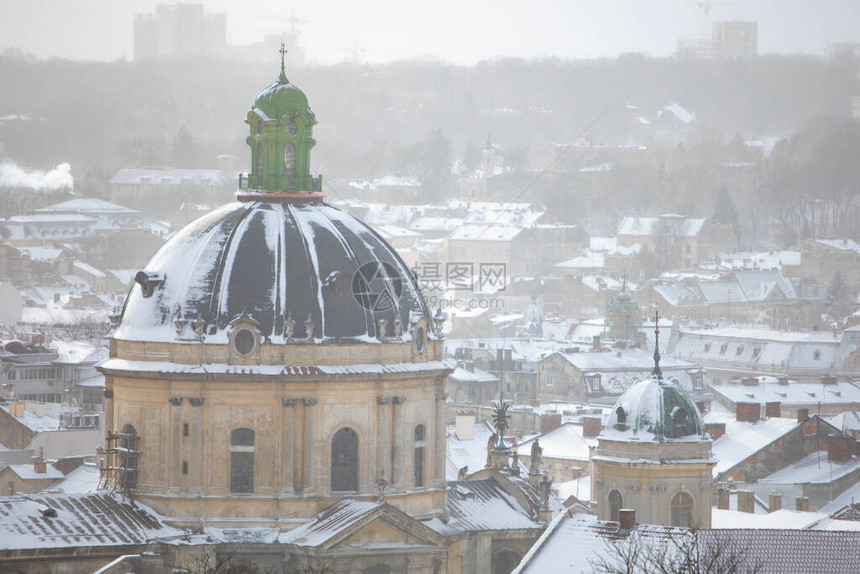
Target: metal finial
x: 657, y: 370
x: 283, y: 76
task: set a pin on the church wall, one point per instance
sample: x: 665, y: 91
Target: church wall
x: 293, y: 424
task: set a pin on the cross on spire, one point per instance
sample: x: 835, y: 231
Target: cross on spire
x: 657, y: 370
x: 283, y: 51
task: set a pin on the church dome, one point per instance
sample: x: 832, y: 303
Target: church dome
x: 654, y: 409
x: 281, y: 99
x: 296, y: 270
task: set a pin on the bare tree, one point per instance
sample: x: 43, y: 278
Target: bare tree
x: 677, y: 552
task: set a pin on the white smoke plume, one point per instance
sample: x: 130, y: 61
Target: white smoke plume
x: 60, y: 177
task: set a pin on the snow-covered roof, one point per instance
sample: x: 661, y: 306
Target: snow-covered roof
x: 813, y: 469
x: 467, y: 453
x: 481, y: 505
x: 847, y: 421
x: 41, y: 253
x: 577, y: 543
x: 565, y: 442
x: 128, y: 176
x: 647, y: 226
x: 27, y: 472
x: 742, y: 439
x: 791, y: 394
x: 82, y: 520
x: 35, y: 422
x: 679, y: 112
x: 654, y: 409
x: 85, y: 478
x: 588, y: 259
x: 88, y: 205
x: 474, y: 376
x: 840, y: 244
x: 89, y: 269
x: 330, y: 522
x: 274, y: 262
x: 602, y: 243
x: 484, y: 233
x: 782, y: 519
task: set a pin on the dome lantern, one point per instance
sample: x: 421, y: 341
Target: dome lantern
x: 281, y: 137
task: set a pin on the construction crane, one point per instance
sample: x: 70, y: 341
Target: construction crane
x: 706, y: 5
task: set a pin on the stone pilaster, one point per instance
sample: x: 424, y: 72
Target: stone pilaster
x: 384, y: 447
x: 400, y: 435
x: 309, y: 478
x: 288, y: 466
x: 196, y: 470
x: 174, y: 456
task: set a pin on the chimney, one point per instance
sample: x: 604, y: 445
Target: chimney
x: 723, y: 498
x: 749, y: 381
x: 500, y: 357
x: 39, y: 465
x: 591, y: 426
x: 783, y: 381
x: 802, y: 415
x: 774, y: 501
x: 627, y: 518
x: 716, y: 430
x: 746, y: 501
x: 839, y: 448
x: 595, y: 343
x: 464, y: 425
x: 801, y: 504
x: 17, y: 409
x: 828, y: 380
x: 549, y: 422
x: 747, y: 412
x: 772, y: 410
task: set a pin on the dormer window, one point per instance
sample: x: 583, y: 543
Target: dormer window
x: 723, y: 348
x: 707, y: 347
x: 739, y: 350
x: 816, y: 355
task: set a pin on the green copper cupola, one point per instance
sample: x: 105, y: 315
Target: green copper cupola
x: 281, y: 137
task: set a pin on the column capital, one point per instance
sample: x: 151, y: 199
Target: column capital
x: 441, y: 396
x: 310, y: 402
x: 108, y: 393
x: 175, y: 401
x: 196, y: 401
x: 289, y: 402
x: 398, y: 400
x: 383, y: 400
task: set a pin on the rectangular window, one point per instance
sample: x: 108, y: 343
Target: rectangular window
x: 241, y: 471
x: 184, y: 467
x: 184, y: 429
x: 595, y: 383
x: 549, y: 380
x: 418, y: 467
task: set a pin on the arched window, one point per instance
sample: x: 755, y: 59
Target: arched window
x: 504, y: 561
x: 128, y: 478
x: 290, y: 164
x: 418, y: 457
x: 344, y: 461
x: 682, y: 510
x: 242, y: 460
x: 259, y: 165
x: 616, y: 501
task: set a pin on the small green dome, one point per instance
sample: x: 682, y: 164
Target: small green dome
x: 281, y: 99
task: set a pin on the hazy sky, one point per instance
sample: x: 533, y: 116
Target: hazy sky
x: 459, y: 31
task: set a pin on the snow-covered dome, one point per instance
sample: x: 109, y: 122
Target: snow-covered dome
x: 286, y: 266
x: 654, y: 409
x: 281, y: 99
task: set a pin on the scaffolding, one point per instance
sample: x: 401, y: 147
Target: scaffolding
x: 119, y: 460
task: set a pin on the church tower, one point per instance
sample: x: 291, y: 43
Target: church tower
x: 275, y: 357
x: 654, y: 456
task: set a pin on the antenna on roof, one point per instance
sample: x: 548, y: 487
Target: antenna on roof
x: 657, y: 370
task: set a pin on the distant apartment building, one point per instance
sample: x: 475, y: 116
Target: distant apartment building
x: 179, y: 30
x: 734, y: 40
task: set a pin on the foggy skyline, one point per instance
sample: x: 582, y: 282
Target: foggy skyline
x: 458, y: 32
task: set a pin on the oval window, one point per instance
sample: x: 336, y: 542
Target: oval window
x: 244, y: 342
x: 420, y: 339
